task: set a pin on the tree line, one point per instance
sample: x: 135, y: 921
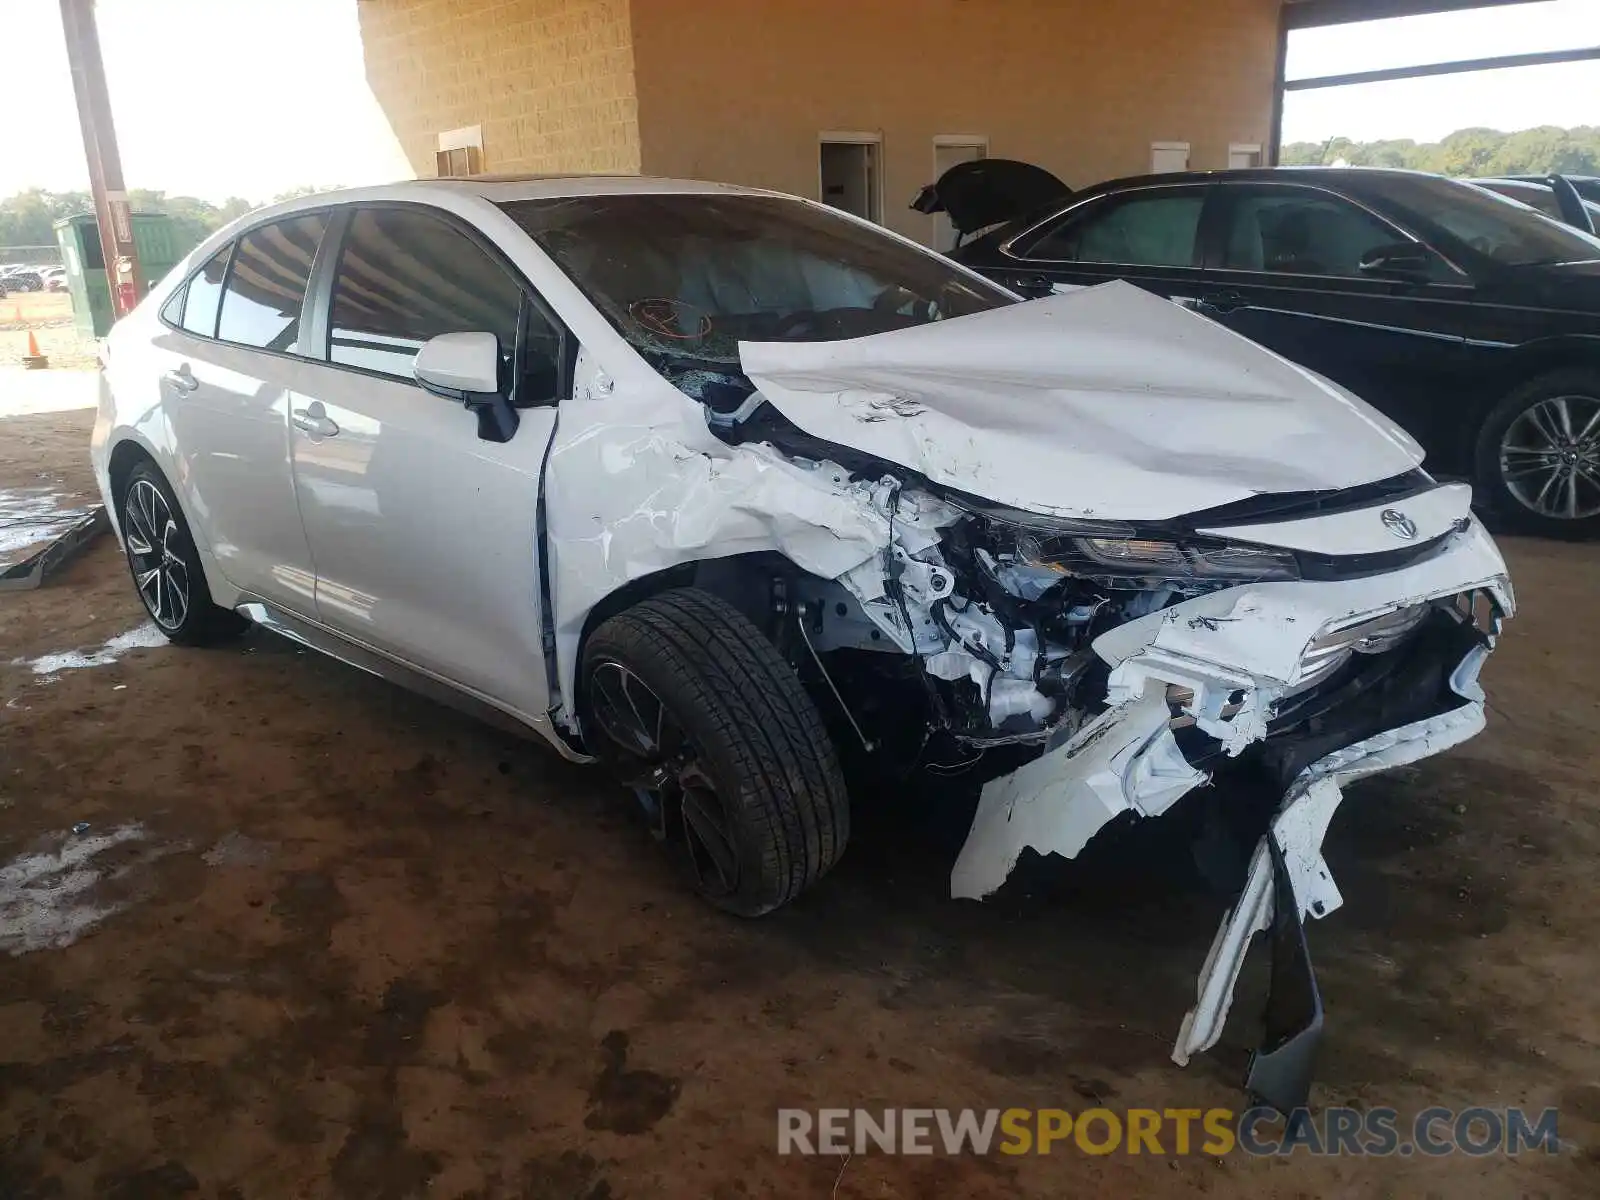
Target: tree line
x: 28, y: 218
x: 1547, y: 150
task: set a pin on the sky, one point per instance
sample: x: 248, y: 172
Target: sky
x: 211, y: 98
x: 1427, y: 109
x: 215, y: 98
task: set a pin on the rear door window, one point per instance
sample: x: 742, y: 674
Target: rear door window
x: 1155, y: 228
x: 404, y: 277
x: 204, y: 295
x: 267, y: 283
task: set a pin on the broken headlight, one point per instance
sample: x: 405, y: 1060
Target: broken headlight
x: 1156, y: 558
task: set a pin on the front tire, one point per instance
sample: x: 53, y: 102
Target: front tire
x: 165, y: 564
x: 686, y: 701
x: 1538, y: 455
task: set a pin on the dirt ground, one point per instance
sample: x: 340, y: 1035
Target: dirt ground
x: 352, y: 944
x: 49, y: 316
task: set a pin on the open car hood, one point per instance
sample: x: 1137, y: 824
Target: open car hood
x: 1107, y: 403
x: 979, y: 194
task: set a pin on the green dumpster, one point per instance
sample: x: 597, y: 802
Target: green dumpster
x: 160, y: 247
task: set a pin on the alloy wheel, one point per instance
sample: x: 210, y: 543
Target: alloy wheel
x: 662, y: 767
x: 1550, y: 457
x: 152, y: 537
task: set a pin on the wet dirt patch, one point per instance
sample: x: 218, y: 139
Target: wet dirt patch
x: 623, y: 1100
x: 56, y: 893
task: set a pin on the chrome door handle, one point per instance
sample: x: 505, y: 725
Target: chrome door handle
x: 182, y: 379
x: 314, y: 420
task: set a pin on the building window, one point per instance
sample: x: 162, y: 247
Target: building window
x: 1168, y: 156
x: 460, y: 152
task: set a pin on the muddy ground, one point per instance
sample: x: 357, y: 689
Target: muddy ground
x: 352, y: 944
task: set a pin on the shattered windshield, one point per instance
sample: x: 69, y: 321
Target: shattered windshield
x: 686, y: 278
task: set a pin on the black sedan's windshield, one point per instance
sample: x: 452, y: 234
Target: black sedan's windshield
x: 687, y: 277
x: 1507, y: 232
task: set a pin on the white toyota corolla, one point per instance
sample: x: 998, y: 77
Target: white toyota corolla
x: 724, y: 489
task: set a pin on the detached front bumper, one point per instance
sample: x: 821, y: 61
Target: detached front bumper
x: 1241, y: 668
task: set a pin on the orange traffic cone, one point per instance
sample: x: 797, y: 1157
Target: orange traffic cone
x: 33, y: 360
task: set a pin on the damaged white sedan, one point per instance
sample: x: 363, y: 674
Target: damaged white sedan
x: 744, y: 497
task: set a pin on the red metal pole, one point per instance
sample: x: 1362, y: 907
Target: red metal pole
x: 111, y: 211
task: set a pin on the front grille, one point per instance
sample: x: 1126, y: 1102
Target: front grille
x: 1332, y: 648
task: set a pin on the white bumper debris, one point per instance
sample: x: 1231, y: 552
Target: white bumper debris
x: 1299, y: 828
x: 1229, y: 657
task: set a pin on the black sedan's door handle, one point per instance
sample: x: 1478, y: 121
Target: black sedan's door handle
x: 1223, y: 302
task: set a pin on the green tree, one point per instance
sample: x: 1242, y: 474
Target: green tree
x: 1546, y: 150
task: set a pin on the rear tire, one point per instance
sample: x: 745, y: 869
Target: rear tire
x: 686, y: 701
x: 1538, y: 456
x: 165, y: 564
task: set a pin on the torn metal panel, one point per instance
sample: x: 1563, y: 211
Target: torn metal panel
x: 637, y: 483
x: 1109, y: 402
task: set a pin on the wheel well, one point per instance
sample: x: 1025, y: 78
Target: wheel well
x: 124, y: 457
x: 1502, y: 378
x: 744, y: 581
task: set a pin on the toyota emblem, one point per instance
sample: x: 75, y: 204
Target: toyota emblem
x: 1397, y: 523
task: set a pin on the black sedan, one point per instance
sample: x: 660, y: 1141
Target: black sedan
x: 1472, y: 320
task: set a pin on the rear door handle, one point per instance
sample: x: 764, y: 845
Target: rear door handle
x: 1224, y: 302
x: 314, y: 420
x: 181, y: 380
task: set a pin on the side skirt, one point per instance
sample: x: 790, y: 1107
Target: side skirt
x: 407, y: 675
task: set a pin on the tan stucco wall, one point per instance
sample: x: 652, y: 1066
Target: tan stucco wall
x: 738, y: 90
x: 550, y: 81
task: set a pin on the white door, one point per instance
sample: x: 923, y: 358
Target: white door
x: 849, y: 175
x: 225, y: 384
x: 947, y: 154
x: 424, y: 535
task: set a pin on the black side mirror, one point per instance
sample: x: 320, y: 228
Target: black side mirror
x: 1406, y: 261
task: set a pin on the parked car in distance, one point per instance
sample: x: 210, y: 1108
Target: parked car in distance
x: 55, y: 279
x: 727, y: 489
x: 23, y: 279
x: 1471, y: 320
x: 1556, y: 197
x: 1588, y: 186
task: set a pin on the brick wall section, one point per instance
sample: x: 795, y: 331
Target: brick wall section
x: 738, y: 90
x: 550, y: 81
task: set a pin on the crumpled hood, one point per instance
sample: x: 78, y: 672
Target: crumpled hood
x: 1106, y: 403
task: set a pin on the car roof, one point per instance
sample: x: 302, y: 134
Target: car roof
x: 503, y: 189
x: 1352, y: 177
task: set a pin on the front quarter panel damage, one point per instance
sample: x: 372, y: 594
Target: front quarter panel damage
x: 636, y: 483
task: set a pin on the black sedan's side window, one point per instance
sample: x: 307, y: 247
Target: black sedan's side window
x: 1296, y: 231
x: 405, y: 277
x: 1143, y: 229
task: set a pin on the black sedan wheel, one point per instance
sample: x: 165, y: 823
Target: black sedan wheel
x: 1539, y: 455
x: 165, y: 565
x: 689, y: 705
